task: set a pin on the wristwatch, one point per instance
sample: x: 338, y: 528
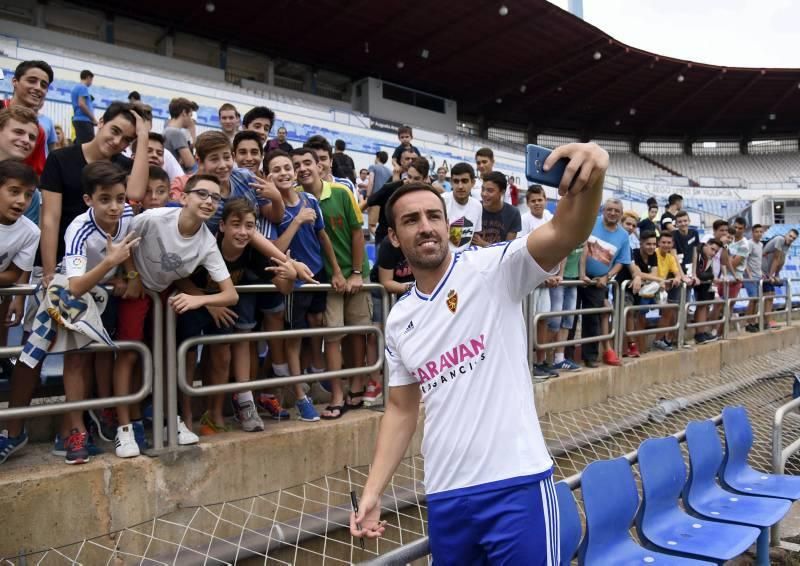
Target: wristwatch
x: 131, y: 275
x: 356, y: 272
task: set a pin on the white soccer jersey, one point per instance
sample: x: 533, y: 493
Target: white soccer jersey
x: 19, y: 243
x: 86, y: 243
x: 465, y: 346
x: 164, y: 255
x: 464, y: 220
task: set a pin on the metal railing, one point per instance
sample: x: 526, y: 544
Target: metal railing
x: 532, y: 319
x: 780, y: 454
x: 176, y: 356
x: 149, y: 376
x: 627, y: 310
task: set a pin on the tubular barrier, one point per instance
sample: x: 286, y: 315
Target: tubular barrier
x: 626, y: 311
x: 789, y: 308
x: 779, y: 454
x: 176, y: 356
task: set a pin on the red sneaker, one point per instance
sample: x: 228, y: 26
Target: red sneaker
x: 374, y: 393
x: 633, y: 350
x: 610, y: 358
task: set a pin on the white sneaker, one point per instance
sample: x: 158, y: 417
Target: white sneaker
x: 125, y: 442
x: 186, y: 436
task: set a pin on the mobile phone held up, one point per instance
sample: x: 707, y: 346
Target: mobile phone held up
x: 535, y: 156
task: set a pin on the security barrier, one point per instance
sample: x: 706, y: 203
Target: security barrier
x: 627, y: 310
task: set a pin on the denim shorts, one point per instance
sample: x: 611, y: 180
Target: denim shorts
x: 562, y: 299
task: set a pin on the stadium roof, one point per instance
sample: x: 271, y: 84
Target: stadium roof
x: 537, y: 67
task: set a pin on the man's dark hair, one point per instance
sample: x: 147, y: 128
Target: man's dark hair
x: 117, y: 108
x: 340, y: 145
x: 681, y: 214
x: 11, y: 169
x: 756, y: 226
x: 86, y: 74
x: 275, y: 153
x: 421, y: 165
x: 319, y: 142
x: 143, y: 110
x: 299, y: 151
x: 363, y: 171
x: 719, y: 223
x: 382, y: 156
x: 794, y: 231
x: 156, y: 173
x: 646, y: 235
x: 259, y: 112
x: 194, y: 179
x: 26, y: 66
x: 247, y: 135
x: 404, y: 130
x: 674, y: 198
x: 462, y: 167
x: 403, y: 190
x: 155, y: 136
x: 178, y: 106
x: 663, y: 235
x: 535, y: 190
x: 497, y: 178
x: 740, y: 221
x: 101, y: 174
x: 485, y: 152
x: 652, y: 203
x: 715, y: 242
x: 134, y: 96
x: 239, y: 208
x: 226, y: 107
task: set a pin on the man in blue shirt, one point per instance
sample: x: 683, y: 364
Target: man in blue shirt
x: 83, y: 119
x: 607, y: 251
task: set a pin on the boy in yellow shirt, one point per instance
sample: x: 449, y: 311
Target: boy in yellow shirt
x: 669, y: 270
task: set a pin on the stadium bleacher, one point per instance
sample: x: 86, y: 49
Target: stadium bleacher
x: 631, y: 165
x: 777, y: 167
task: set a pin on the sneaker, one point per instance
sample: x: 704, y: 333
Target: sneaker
x: 662, y: 345
x: 700, y: 338
x: 60, y: 450
x: 539, y: 373
x: 711, y: 337
x: 610, y: 358
x: 77, y: 452
x: 58, y: 447
x: 307, y: 411
x: 248, y: 417
x: 549, y: 369
x: 567, y: 365
x: 185, y: 436
x: 138, y: 434
x: 269, y: 404
x: 125, y: 443
x: 751, y: 328
x: 633, y: 350
x: 772, y: 325
x: 9, y: 445
x: 208, y: 427
x: 374, y: 393
x: 6, y: 368
x: 105, y: 423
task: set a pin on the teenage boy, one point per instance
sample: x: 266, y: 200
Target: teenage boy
x: 302, y: 232
x: 346, y: 305
x: 500, y: 221
x: 703, y: 291
x: 97, y: 242
x: 649, y: 224
x: 674, y: 205
x: 644, y: 269
x: 158, y: 156
x: 669, y: 271
x: 687, y: 242
x: 20, y: 239
x: 735, y: 258
x: 229, y: 120
x: 175, y: 140
x: 380, y: 195
x: 379, y: 173
x: 248, y: 151
x: 259, y: 120
x: 406, y: 137
x: 175, y: 242
x: 774, y: 257
x: 30, y: 83
x: 464, y: 213
x: 83, y: 119
x: 753, y: 271
x: 484, y: 162
x: 342, y: 165
x: 537, y: 214
x: 237, y: 229
x: 19, y: 130
x: 325, y: 154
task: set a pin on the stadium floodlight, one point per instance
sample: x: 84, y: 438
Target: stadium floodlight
x: 503, y: 11
x: 617, y: 122
x: 523, y: 88
x: 400, y: 64
x: 681, y: 78
x: 597, y: 55
x: 210, y: 7
x: 632, y: 111
x: 772, y: 116
x: 424, y: 54
x: 499, y: 101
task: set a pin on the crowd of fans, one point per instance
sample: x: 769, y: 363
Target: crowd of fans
x: 123, y: 212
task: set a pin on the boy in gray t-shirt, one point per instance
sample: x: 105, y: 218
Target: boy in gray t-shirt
x: 772, y: 260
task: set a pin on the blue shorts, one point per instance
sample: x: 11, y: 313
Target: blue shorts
x: 516, y: 524
x: 752, y: 288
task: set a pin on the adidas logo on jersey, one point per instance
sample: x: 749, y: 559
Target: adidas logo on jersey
x: 409, y: 328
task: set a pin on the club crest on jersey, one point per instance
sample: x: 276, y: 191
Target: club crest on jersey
x: 452, y: 301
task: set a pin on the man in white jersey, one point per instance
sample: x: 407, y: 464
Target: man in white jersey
x: 458, y: 336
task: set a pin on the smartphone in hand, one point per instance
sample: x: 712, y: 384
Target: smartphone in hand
x: 535, y: 156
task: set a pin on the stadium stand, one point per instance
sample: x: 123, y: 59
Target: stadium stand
x: 631, y: 165
x: 777, y: 167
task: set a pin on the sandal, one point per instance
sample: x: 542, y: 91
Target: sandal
x: 331, y: 409
x: 352, y: 406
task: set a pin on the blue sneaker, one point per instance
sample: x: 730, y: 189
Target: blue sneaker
x: 567, y: 365
x: 138, y: 434
x: 60, y: 450
x: 9, y: 444
x: 307, y: 411
x: 77, y: 449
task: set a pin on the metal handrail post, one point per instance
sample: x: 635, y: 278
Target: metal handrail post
x: 529, y: 309
x: 617, y: 300
x: 788, y: 302
x: 172, y: 383
x: 726, y: 309
x: 158, y: 370
x: 761, y: 317
x: 779, y: 454
x: 386, y: 305
x: 620, y: 321
x: 682, y: 316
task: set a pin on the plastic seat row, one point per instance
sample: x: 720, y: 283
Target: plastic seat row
x: 709, y: 517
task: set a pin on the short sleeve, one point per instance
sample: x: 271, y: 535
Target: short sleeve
x: 52, y: 179
x: 26, y: 254
x: 387, y: 257
x: 75, y: 259
x: 319, y: 223
x: 399, y: 374
x: 398, y: 151
x: 353, y: 219
x: 478, y: 216
x: 175, y: 139
x: 624, y: 255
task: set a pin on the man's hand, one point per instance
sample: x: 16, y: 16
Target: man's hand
x: 354, y: 283
x: 306, y: 215
x: 588, y: 162
x: 223, y: 316
x: 120, y: 286
x: 283, y: 269
x: 601, y: 282
x: 339, y: 283
x: 636, y: 284
x: 265, y: 188
x: 47, y: 278
x: 368, y: 519
x: 15, y: 311
x: 587, y: 280
x: 117, y: 253
x: 553, y: 281
x: 142, y: 126
x: 182, y: 302
x: 135, y: 289
x: 304, y: 272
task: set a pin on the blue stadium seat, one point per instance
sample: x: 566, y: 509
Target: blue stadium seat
x: 569, y: 523
x: 663, y: 524
x: 610, y: 501
x: 702, y: 495
x: 737, y: 474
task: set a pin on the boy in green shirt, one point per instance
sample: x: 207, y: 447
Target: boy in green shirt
x: 564, y: 299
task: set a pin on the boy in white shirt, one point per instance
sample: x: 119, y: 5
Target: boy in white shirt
x: 20, y: 239
x: 536, y: 199
x: 464, y: 213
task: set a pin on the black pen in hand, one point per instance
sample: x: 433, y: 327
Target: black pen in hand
x: 354, y: 502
